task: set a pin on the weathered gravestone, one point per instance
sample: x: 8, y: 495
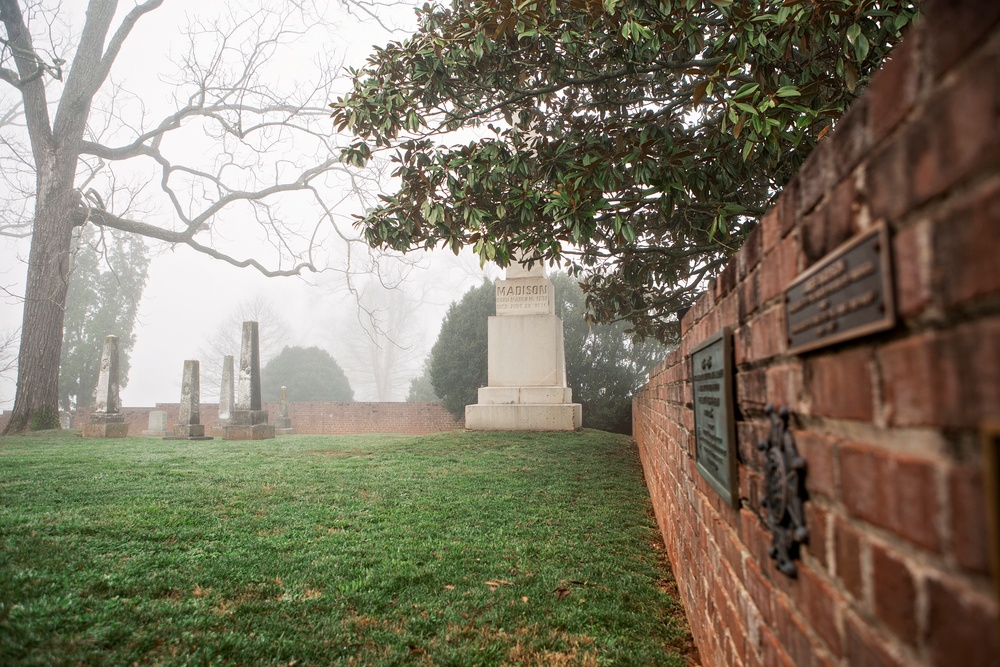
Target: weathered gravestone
x: 527, y: 364
x: 157, y: 423
x: 247, y: 421
x: 107, y: 421
x: 283, y: 424
x: 189, y: 426
x: 227, y: 394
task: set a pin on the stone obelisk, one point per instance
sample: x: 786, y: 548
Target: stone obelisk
x: 283, y: 424
x: 247, y: 420
x: 227, y: 393
x: 107, y: 421
x: 527, y: 364
x: 189, y: 426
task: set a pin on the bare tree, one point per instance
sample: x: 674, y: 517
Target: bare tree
x: 210, y: 174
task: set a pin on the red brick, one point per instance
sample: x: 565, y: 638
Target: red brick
x: 841, y: 385
x: 770, y: 229
x: 822, y: 606
x: 967, y: 246
x: 893, y: 491
x: 751, y: 387
x: 968, y: 519
x: 784, y: 385
x: 749, y: 302
x: 894, y: 593
x: 957, y: 135
x: 911, y: 251
x: 833, y: 223
x: 772, y: 652
x: 847, y: 546
x: 788, y: 203
x: 759, y: 589
x: 792, y: 633
x: 864, y: 648
x: 756, y: 539
x: 889, y: 174
x: 816, y: 523
x: 780, y: 268
x: 852, y: 138
x: 918, y: 382
x: 750, y: 252
x: 813, y: 178
x: 952, y: 29
x: 894, y: 88
x: 820, y: 453
x: 961, y: 627
x: 762, y: 337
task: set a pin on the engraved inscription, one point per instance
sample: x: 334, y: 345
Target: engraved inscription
x: 714, y: 428
x: 525, y: 296
x: 844, y: 296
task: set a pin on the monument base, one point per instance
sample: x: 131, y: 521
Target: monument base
x: 189, y: 432
x: 252, y: 432
x: 106, y: 426
x: 524, y: 417
x: 283, y: 426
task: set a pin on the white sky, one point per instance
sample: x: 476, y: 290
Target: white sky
x: 189, y: 295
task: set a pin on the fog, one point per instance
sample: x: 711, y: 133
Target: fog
x: 189, y: 295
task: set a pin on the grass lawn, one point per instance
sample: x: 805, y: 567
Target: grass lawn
x: 451, y: 549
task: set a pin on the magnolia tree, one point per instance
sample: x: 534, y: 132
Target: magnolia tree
x: 635, y: 142
x: 220, y: 152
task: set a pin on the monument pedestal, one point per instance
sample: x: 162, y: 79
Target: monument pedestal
x: 283, y: 426
x: 248, y: 425
x: 527, y: 363
x: 189, y: 432
x: 106, y: 426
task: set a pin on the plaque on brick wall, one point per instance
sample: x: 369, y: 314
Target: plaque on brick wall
x: 846, y: 295
x: 714, y: 423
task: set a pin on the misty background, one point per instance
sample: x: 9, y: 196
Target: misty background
x: 377, y: 315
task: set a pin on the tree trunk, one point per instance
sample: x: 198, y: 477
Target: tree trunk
x: 36, y: 405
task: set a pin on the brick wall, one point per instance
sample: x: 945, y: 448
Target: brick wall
x: 318, y: 418
x: 896, y: 571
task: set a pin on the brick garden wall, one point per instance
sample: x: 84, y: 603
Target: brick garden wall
x: 318, y: 418
x: 896, y: 571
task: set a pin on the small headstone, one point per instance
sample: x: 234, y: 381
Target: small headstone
x: 283, y: 424
x: 247, y: 421
x: 107, y: 421
x: 65, y: 420
x: 157, y: 423
x: 189, y: 426
x: 227, y: 393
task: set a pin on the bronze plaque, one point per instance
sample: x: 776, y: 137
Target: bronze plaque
x: 846, y: 295
x: 714, y: 423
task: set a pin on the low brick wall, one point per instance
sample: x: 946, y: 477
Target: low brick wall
x: 896, y: 571
x: 317, y: 418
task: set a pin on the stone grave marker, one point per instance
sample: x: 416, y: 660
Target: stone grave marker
x: 227, y: 394
x: 527, y: 388
x: 283, y: 424
x: 189, y: 426
x: 157, y: 423
x: 107, y: 421
x: 247, y: 420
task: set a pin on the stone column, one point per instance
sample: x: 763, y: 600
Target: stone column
x: 157, y: 423
x: 107, y: 421
x: 189, y: 426
x: 247, y: 421
x: 283, y: 424
x: 227, y: 394
x: 527, y: 364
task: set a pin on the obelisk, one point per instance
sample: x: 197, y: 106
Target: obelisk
x: 247, y: 420
x: 189, y: 426
x: 107, y: 421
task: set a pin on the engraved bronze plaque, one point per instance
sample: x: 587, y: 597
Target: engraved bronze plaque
x: 714, y: 423
x: 846, y: 295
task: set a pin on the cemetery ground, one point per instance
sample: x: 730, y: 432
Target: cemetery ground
x: 453, y: 549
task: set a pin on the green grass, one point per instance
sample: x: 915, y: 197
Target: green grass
x: 451, y: 549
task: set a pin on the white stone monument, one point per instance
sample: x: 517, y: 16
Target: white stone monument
x: 527, y: 365
x: 107, y: 421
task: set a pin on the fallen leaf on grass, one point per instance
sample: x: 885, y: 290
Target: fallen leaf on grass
x: 561, y: 593
x: 524, y: 598
x: 417, y: 651
x: 495, y: 584
x: 449, y: 587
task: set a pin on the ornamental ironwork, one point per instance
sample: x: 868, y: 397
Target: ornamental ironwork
x: 784, y: 472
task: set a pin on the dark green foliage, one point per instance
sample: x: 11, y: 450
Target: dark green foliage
x: 604, y: 365
x: 458, y: 361
x: 106, y: 285
x: 309, y: 373
x: 636, y: 140
x: 421, y: 387
x: 452, y: 549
